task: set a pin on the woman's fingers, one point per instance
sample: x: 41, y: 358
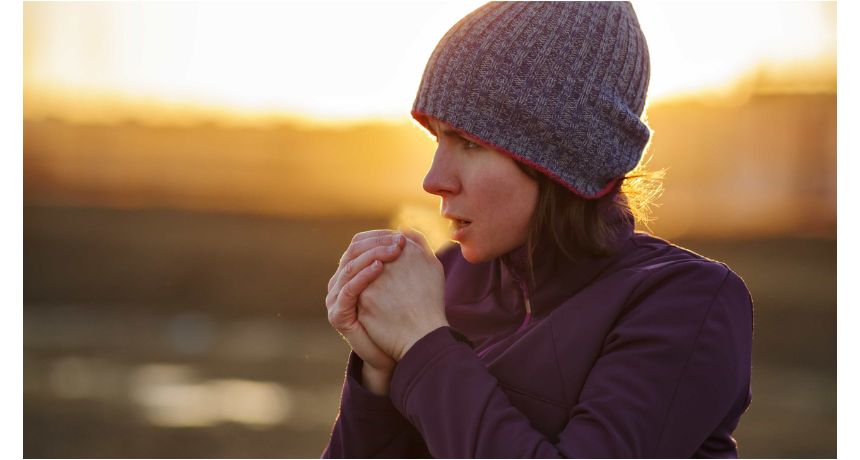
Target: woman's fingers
x: 364, y: 260
x: 418, y: 237
x: 341, y: 304
x: 360, y: 265
x: 343, y: 316
x: 415, y: 236
x: 367, y: 350
x: 369, y: 240
x: 360, y: 243
x: 360, y: 246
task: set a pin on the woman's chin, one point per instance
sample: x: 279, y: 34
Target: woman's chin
x: 471, y: 255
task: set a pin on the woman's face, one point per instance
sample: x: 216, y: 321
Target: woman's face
x: 488, y: 199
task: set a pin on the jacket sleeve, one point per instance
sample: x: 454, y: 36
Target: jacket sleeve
x: 368, y: 425
x: 651, y: 392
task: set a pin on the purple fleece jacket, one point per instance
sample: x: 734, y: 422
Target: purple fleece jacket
x: 645, y: 353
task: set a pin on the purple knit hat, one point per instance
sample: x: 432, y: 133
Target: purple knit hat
x: 559, y: 86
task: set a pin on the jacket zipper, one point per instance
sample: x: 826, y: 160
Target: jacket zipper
x: 527, y: 319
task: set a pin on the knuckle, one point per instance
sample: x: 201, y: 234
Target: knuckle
x: 335, y: 317
x: 346, y: 328
x: 349, y: 290
x: 364, y: 276
x: 337, y: 321
x: 348, y: 254
x: 343, y: 261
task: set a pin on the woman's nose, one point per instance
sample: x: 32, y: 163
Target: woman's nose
x: 442, y: 177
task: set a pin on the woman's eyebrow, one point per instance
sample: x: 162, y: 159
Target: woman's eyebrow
x: 445, y: 130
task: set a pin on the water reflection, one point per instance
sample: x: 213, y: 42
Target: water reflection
x: 171, y: 396
x: 174, y: 395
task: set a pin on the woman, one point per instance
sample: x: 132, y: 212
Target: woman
x: 552, y: 329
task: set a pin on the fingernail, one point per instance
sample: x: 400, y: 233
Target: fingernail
x: 392, y: 248
x: 376, y: 264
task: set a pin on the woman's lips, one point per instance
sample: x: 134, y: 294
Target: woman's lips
x: 460, y: 228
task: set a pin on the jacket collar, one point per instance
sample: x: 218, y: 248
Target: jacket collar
x: 556, y: 277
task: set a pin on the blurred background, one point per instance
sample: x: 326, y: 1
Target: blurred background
x: 193, y: 171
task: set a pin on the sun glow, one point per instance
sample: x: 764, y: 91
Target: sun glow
x: 342, y: 61
x: 697, y: 46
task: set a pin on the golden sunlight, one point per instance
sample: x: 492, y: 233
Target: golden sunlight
x: 321, y: 60
x: 88, y: 61
x: 302, y: 109
x: 697, y: 46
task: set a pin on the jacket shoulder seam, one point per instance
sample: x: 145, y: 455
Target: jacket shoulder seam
x: 693, y: 255
x: 687, y: 362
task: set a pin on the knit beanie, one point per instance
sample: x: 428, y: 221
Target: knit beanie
x: 559, y: 86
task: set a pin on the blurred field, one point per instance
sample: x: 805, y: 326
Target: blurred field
x: 759, y: 165
x: 142, y: 327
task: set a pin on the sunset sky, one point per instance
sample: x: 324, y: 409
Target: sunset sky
x: 335, y: 61
x: 211, y: 66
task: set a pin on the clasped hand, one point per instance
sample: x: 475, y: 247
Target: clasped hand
x: 387, y: 293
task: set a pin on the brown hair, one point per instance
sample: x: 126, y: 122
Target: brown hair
x: 571, y: 224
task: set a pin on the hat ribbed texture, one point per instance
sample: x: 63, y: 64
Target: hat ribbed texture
x: 559, y: 86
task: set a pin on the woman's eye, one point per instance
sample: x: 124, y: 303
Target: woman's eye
x: 470, y: 145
